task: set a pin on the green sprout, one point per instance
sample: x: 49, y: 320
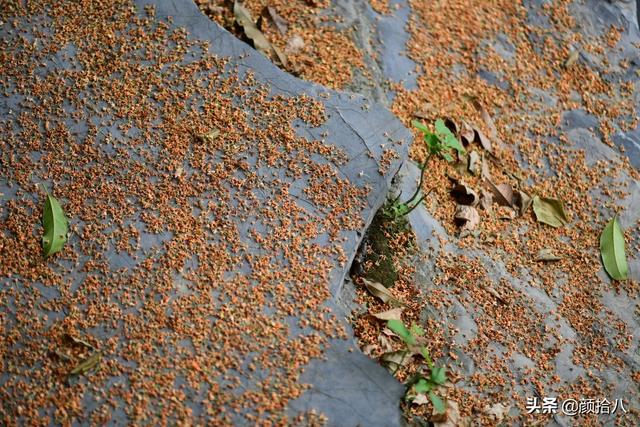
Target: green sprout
x: 421, y: 384
x: 441, y: 143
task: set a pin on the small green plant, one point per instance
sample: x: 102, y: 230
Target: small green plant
x: 441, y: 143
x: 419, y: 383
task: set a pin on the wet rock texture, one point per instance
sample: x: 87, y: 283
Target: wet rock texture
x: 509, y: 326
x: 215, y: 203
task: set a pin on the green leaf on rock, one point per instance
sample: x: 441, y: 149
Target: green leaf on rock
x: 438, y: 404
x: 421, y: 127
x: 439, y: 375
x: 612, y: 250
x: 398, y: 327
x: 448, y: 138
x: 422, y: 386
x: 549, y: 211
x: 55, y: 226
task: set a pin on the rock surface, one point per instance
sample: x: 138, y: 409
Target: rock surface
x: 345, y: 386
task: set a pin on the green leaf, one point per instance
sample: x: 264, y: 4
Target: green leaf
x: 438, y: 404
x: 55, y: 226
x: 446, y: 156
x: 549, y: 211
x: 448, y: 137
x: 421, y: 127
x: 439, y: 375
x: 416, y: 330
x: 426, y: 355
x: 398, y: 327
x: 612, y: 250
x: 422, y: 386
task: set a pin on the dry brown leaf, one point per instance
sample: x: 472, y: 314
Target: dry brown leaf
x: 488, y: 120
x: 420, y: 399
x: 280, y: 23
x: 502, y: 192
x: 481, y: 138
x: 486, y: 173
x: 385, y: 343
x: 547, y: 254
x: 394, y: 313
x: 464, y: 195
x: 467, y: 134
x: 486, y: 200
x: 396, y: 359
x: 497, y: 411
x: 451, y: 125
x: 380, y: 292
x: 466, y: 217
x: 522, y: 201
x: 451, y: 417
x: 245, y: 20
x: 475, y: 163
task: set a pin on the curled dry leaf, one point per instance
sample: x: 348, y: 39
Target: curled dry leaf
x: 488, y: 120
x: 394, y: 313
x: 396, y: 359
x: 420, y: 399
x: 481, y: 138
x: 549, y: 211
x: 260, y: 43
x: 486, y: 200
x: 380, y: 292
x: 464, y: 195
x: 451, y: 125
x: 612, y: 250
x: 467, y: 133
x: 475, y: 163
x: 522, y: 201
x: 466, y: 217
x: 277, y: 20
x: 547, y: 254
x: 503, y: 193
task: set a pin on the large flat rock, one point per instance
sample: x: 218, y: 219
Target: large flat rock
x: 215, y: 203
